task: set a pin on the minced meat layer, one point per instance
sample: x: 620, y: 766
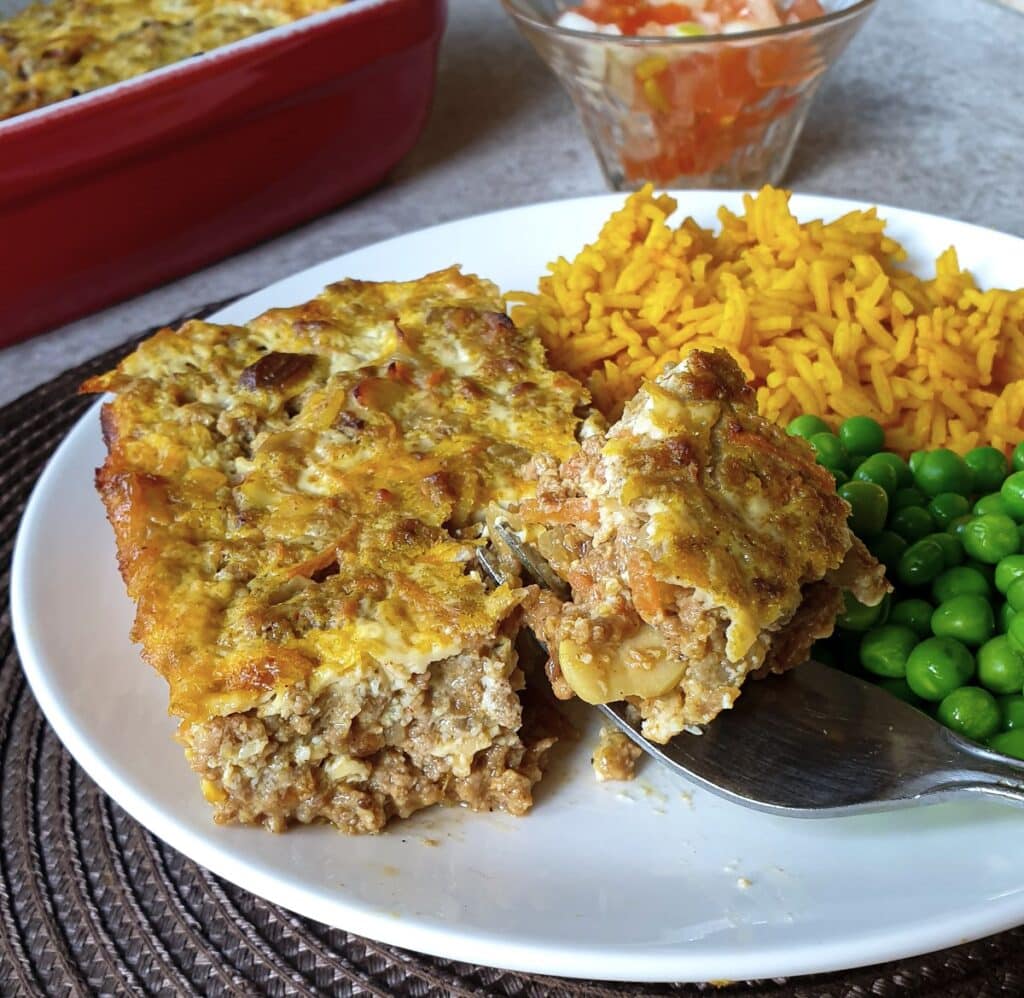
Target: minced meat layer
x: 369, y: 748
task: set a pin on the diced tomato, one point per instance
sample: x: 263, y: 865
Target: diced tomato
x: 632, y: 15
x: 777, y: 64
x: 735, y: 83
x: 804, y: 10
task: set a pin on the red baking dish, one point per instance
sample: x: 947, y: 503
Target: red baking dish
x: 109, y: 193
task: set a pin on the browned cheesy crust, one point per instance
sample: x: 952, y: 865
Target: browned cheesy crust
x: 297, y: 503
x: 52, y: 51
x: 701, y: 543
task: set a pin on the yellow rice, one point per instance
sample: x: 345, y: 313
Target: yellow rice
x: 819, y: 315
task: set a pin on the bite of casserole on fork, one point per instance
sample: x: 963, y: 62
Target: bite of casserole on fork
x: 702, y: 546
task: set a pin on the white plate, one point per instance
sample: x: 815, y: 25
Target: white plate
x: 650, y: 882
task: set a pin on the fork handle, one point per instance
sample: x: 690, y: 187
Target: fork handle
x: 978, y: 770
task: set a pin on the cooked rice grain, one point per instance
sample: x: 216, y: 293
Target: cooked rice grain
x: 819, y: 315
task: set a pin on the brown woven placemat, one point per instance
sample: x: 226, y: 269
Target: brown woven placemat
x: 91, y: 903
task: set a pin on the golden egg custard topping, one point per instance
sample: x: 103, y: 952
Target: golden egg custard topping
x: 52, y: 51
x: 731, y: 505
x: 302, y: 495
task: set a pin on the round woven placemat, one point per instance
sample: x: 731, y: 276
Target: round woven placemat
x: 91, y: 903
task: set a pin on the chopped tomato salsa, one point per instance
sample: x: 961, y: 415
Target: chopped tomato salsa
x: 701, y: 106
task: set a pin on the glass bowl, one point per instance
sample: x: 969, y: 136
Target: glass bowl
x: 694, y: 111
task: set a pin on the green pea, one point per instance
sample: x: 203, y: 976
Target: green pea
x: 884, y: 650
x: 899, y: 689
x: 1015, y: 632
x: 829, y: 450
x: 1012, y: 491
x: 970, y: 711
x: 902, y: 498
x: 1017, y: 457
x: 989, y: 571
x: 962, y: 580
x: 967, y: 618
x: 806, y: 426
x: 904, y: 476
x: 869, y: 507
x: 887, y: 547
x: 991, y: 537
x: 840, y: 476
x: 878, y: 471
x: 1001, y: 666
x: 952, y: 549
x: 957, y: 527
x: 856, y: 616
x: 861, y: 435
x: 1004, y: 616
x: 912, y: 523
x: 942, y: 471
x: 1011, y: 712
x: 915, y: 614
x: 1008, y: 570
x: 992, y: 503
x: 1015, y: 595
x: 946, y: 507
x: 988, y: 468
x: 920, y: 563
x: 1008, y: 742
x: 937, y: 666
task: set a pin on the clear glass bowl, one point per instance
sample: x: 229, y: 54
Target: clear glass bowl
x: 696, y: 111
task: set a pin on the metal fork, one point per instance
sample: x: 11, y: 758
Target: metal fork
x: 813, y: 743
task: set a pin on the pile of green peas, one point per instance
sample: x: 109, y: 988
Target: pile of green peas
x: 950, y: 532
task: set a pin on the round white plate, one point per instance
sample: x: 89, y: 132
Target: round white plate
x: 652, y: 881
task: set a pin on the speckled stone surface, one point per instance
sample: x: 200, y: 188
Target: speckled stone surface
x: 925, y: 111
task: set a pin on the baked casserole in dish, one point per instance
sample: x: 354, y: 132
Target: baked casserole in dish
x: 52, y: 51
x: 152, y: 177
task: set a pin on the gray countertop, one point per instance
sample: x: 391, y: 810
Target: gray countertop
x: 925, y: 111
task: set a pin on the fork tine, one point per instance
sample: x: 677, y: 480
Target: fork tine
x: 534, y: 563
x: 490, y: 566
x: 531, y: 648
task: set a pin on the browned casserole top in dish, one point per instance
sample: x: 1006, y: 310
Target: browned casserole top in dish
x: 53, y: 51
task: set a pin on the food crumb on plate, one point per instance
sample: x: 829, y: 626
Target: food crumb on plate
x: 615, y: 756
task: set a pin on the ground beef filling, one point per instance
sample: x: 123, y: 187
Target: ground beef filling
x: 364, y: 750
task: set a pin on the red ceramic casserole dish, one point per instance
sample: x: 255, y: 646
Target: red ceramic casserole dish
x: 109, y: 193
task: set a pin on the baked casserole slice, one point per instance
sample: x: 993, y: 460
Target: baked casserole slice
x: 297, y: 503
x: 52, y: 51
x: 702, y: 545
